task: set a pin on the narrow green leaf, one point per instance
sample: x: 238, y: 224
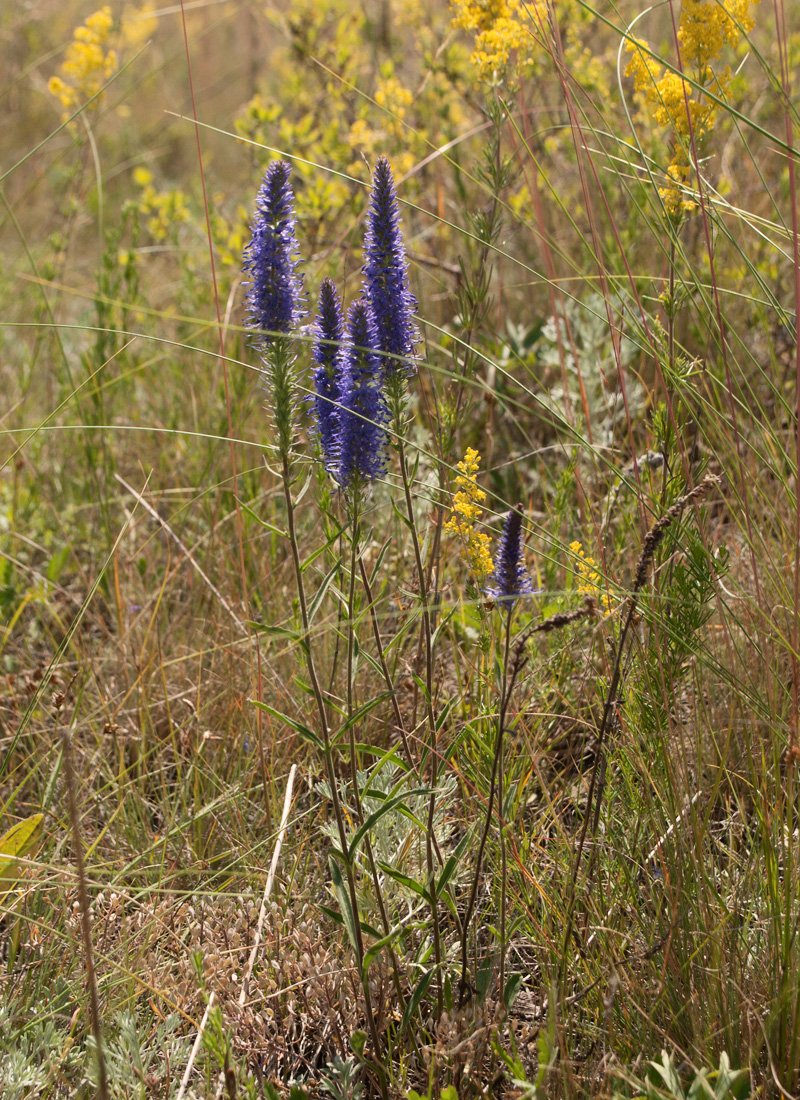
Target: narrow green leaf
x: 513, y: 986
x: 441, y: 625
x: 405, y: 880
x: 376, y: 949
x: 400, y: 515
x: 319, y: 595
x: 304, y: 490
x: 378, y: 563
x: 360, y: 714
x: 384, y: 756
x: 444, y: 713
x: 421, y: 685
x: 343, y: 898
x: 298, y: 727
x: 320, y: 550
x: 262, y: 522
x: 274, y: 631
x: 375, y: 817
x: 450, y: 866
x: 420, y: 990
x: 337, y: 918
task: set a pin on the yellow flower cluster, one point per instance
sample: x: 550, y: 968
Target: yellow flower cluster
x: 588, y: 577
x: 501, y: 27
x: 466, y: 511
x: 164, y: 210
x: 139, y: 24
x: 395, y: 99
x: 86, y: 66
x: 706, y: 26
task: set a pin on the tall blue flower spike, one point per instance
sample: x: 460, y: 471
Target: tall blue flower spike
x: 386, y: 276
x: 274, y: 297
x: 511, y: 579
x: 328, y: 353
x: 361, y: 438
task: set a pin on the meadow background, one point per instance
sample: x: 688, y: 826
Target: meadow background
x: 603, y: 243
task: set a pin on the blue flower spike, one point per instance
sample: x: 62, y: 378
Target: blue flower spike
x: 328, y: 353
x: 361, y: 438
x: 274, y: 297
x: 511, y: 579
x: 386, y: 277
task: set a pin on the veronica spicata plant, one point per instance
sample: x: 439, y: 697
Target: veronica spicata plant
x: 275, y: 306
x: 392, y: 305
x: 511, y: 582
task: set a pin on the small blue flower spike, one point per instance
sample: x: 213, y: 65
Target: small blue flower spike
x: 328, y: 353
x: 274, y: 297
x: 386, y: 276
x: 362, y: 440
x: 511, y: 579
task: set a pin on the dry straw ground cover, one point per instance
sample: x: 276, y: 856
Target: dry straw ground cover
x: 399, y: 550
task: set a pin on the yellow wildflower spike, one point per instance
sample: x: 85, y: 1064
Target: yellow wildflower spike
x: 466, y: 511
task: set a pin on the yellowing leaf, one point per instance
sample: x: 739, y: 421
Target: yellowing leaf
x: 20, y: 840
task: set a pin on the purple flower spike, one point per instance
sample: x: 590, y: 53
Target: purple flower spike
x: 361, y: 441
x: 274, y: 298
x: 386, y: 275
x: 328, y: 353
x: 510, y: 575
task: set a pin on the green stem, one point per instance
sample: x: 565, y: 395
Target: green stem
x: 500, y: 790
x: 355, y: 558
x: 431, y: 717
x: 495, y: 788
x: 387, y: 676
x: 328, y: 757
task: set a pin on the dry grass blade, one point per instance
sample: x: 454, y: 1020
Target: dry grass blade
x: 287, y: 802
x: 195, y: 1049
